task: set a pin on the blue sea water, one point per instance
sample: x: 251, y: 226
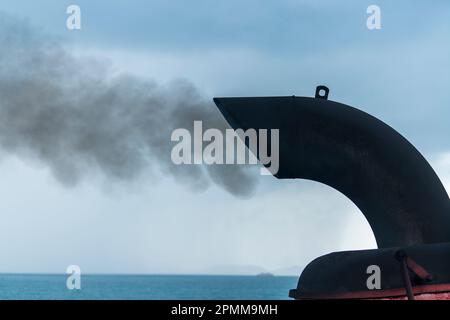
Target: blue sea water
x: 30, y: 286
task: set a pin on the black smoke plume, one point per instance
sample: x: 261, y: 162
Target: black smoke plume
x: 80, y: 118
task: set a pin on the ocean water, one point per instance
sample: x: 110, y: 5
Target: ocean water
x: 29, y: 286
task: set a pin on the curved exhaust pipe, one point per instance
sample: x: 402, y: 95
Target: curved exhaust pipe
x: 391, y: 183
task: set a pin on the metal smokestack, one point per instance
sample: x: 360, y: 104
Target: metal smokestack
x: 392, y: 184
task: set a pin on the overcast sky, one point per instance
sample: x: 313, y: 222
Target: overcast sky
x: 399, y: 74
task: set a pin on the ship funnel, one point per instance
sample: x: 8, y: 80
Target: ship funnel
x: 392, y: 184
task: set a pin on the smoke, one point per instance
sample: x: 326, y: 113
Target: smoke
x: 80, y: 118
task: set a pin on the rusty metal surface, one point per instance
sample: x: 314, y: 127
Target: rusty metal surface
x: 426, y: 292
x: 425, y: 296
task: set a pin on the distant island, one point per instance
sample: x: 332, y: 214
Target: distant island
x: 265, y: 274
x: 251, y: 270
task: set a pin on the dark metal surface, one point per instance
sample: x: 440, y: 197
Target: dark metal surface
x: 373, y: 165
x: 342, y: 275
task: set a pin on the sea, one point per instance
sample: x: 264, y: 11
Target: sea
x: 145, y: 287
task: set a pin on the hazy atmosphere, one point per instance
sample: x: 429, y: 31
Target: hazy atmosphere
x: 91, y: 184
